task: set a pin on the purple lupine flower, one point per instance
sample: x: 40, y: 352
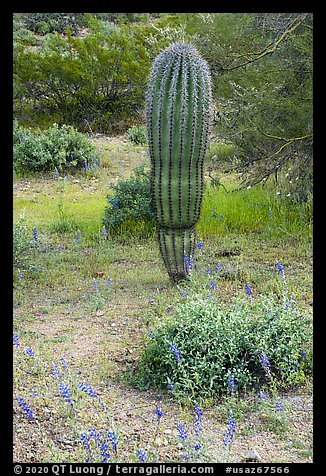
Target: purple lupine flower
x: 25, y: 407
x: 95, y: 283
x: 65, y: 392
x: 35, y: 236
x: 184, y: 293
x: 197, y: 447
x: 15, y: 340
x: 159, y: 412
x: 170, y: 385
x: 280, y: 269
x: 229, y: 434
x: 218, y: 266
x: 64, y: 363
x: 88, y: 389
x: 303, y: 353
x: 104, y: 233
x: 212, y: 284
x: 113, y: 440
x: 248, y: 290
x: 200, y: 245
x: 85, y: 439
x: 198, y: 422
x: 265, y: 362
x: 55, y: 370
x: 232, y: 386
x: 279, y: 406
x: 29, y: 351
x: 108, y: 282
x: 142, y: 455
x: 182, y: 431
x: 176, y: 352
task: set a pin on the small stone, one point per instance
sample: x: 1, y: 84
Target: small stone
x: 252, y: 456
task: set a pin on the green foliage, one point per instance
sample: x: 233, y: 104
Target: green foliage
x: 261, y: 66
x: 60, y: 148
x: 95, y: 82
x: 137, y: 135
x: 130, y: 209
x: 43, y: 23
x: 215, y: 340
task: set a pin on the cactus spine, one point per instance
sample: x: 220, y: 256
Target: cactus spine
x: 178, y: 119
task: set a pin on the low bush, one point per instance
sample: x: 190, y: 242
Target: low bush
x: 130, y: 209
x: 56, y: 148
x: 137, y: 135
x: 206, y: 342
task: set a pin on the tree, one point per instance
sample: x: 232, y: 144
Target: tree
x: 261, y: 67
x: 96, y: 81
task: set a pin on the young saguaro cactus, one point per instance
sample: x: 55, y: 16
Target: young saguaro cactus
x: 178, y: 120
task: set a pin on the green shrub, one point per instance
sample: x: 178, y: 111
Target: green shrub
x: 130, y: 208
x: 215, y: 340
x: 55, y: 148
x: 137, y: 135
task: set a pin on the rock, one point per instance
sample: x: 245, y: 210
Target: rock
x: 252, y: 456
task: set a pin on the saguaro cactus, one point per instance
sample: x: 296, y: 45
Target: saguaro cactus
x: 178, y: 118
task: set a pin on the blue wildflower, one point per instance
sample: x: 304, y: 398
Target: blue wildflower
x: 25, y: 407
x: 15, y: 340
x: 265, y: 362
x: 280, y: 269
x: 170, y: 386
x: 65, y: 392
x: 35, y: 235
x: 232, y: 386
x: 230, y: 432
x: 64, y: 363
x: 182, y: 431
x: 29, y: 351
x: 198, y: 422
x: 176, y: 351
x: 113, y: 440
x: 159, y: 412
x: 88, y: 389
x: 279, y: 406
x: 212, y: 284
x: 248, y: 290
x: 95, y: 283
x: 200, y: 245
x: 142, y: 455
x: 104, y: 233
x: 55, y: 370
x: 197, y: 446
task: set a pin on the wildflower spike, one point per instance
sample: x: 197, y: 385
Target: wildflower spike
x: 178, y: 119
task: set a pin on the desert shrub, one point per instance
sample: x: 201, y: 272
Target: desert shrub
x: 207, y: 341
x: 130, y: 208
x: 137, y: 135
x: 55, y: 148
